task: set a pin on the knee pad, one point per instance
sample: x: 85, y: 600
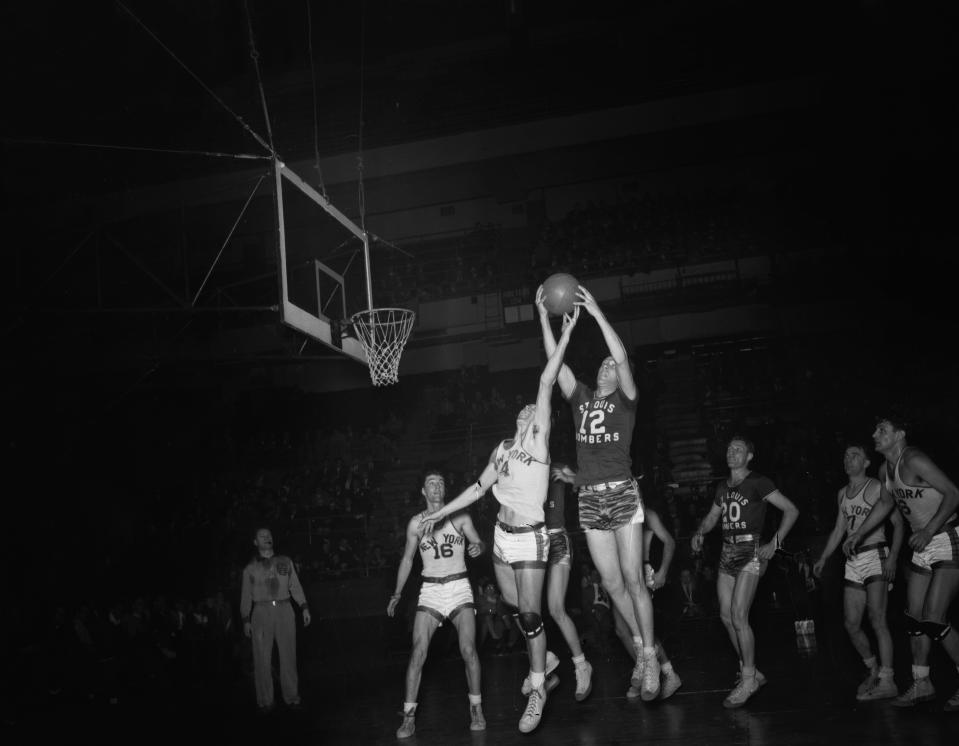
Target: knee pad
x: 531, y: 623
x: 935, y: 630
x: 914, y: 627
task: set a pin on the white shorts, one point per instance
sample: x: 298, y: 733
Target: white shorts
x: 522, y: 547
x: 444, y: 600
x: 942, y: 551
x: 865, y: 566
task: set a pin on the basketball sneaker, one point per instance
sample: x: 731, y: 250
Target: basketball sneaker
x: 747, y: 687
x: 884, y: 688
x: 872, y: 678
x: 584, y: 680
x: 650, y: 688
x: 552, y: 661
x: 639, y: 669
x: 760, y: 679
x: 408, y: 727
x: 633, y: 693
x: 534, y: 711
x: 952, y: 704
x: 477, y: 721
x: 920, y: 690
x: 669, y: 684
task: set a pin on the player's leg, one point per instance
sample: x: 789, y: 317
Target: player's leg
x: 529, y: 586
x: 605, y: 556
x: 425, y: 625
x: 464, y: 620
x: 621, y: 627
x: 853, y: 609
x: 629, y: 546
x: 557, y: 582
x: 877, y: 598
x: 943, y: 590
x: 918, y: 579
x: 725, y: 584
x: 670, y: 679
x: 744, y: 592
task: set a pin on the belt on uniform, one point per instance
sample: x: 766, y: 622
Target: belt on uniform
x: 446, y: 578
x: 273, y: 601
x: 554, y: 531
x: 875, y: 545
x: 520, y: 529
x: 740, y: 538
x: 603, y: 486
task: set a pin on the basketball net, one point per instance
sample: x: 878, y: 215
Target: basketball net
x: 383, y: 332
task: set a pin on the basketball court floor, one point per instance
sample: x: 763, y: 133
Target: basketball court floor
x: 351, y: 674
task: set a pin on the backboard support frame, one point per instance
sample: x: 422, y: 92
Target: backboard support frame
x: 318, y: 325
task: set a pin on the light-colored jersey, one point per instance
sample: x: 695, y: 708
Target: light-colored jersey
x: 857, y: 507
x: 443, y: 551
x: 917, y: 504
x: 522, y: 480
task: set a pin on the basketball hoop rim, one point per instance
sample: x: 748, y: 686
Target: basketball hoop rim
x: 403, y: 312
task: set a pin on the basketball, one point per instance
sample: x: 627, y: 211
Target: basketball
x: 559, y: 292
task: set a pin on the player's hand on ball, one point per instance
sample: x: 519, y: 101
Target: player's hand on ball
x: 541, y: 301
x: 569, y: 320
x: 587, y: 301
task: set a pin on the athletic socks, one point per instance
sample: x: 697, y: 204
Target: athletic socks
x: 536, y: 680
x: 476, y: 699
x: 409, y: 708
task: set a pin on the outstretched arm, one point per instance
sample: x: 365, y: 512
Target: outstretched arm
x: 625, y: 374
x: 543, y: 414
x: 567, y: 381
x: 462, y: 501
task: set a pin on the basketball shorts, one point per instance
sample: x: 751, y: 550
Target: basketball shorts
x: 865, y: 566
x: 521, y: 547
x: 743, y: 557
x: 560, y: 548
x: 941, y: 552
x: 444, y: 600
x: 610, y: 505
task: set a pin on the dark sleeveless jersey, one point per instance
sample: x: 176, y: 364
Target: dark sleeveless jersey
x: 604, y: 435
x: 555, y: 507
x: 744, y: 506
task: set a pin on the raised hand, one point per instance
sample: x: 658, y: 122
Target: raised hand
x: 587, y: 301
x: 541, y: 301
x: 569, y: 321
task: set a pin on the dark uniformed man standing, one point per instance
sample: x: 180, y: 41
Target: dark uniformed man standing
x: 269, y: 582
